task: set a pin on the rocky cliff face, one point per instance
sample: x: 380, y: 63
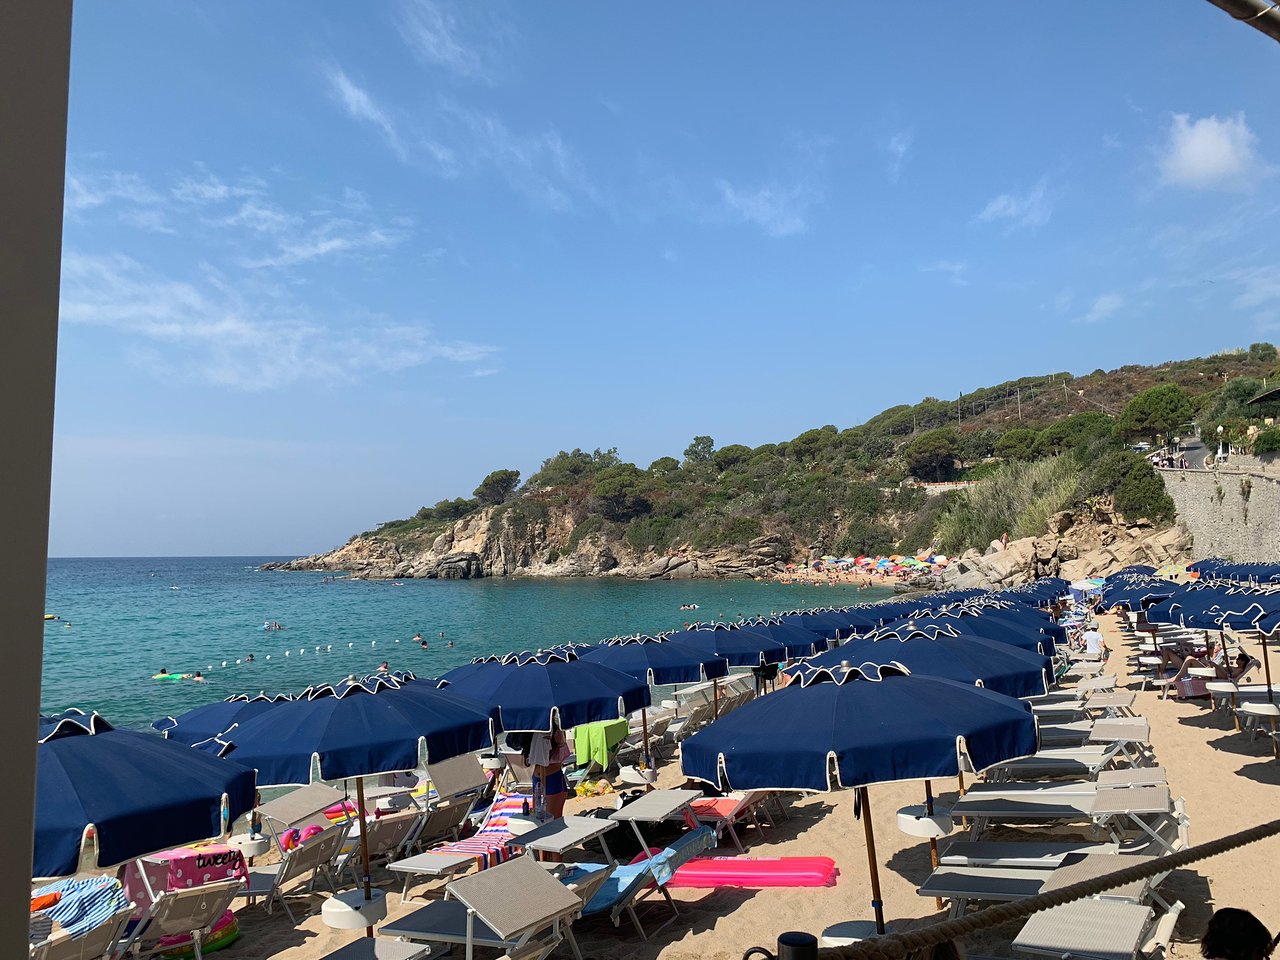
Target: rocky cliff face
x: 501, y: 543
x: 1079, y: 544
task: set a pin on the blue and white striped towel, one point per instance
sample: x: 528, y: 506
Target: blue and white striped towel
x: 85, y: 904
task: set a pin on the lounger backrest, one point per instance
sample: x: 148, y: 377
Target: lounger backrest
x: 387, y: 833
x: 317, y: 852
x: 658, y: 728
x: 92, y: 946
x: 195, y: 908
x: 460, y: 775
x: 688, y: 845
x: 519, y: 773
x: 444, y: 818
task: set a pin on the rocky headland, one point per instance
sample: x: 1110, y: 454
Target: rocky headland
x: 501, y: 543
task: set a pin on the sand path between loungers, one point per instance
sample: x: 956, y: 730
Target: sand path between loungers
x: 1229, y: 783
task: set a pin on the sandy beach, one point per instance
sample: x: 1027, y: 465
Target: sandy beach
x: 1228, y: 783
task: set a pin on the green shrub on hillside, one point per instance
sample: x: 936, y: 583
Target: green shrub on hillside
x: 1018, y: 500
x: 1268, y: 442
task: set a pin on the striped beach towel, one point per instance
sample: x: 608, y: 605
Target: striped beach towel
x: 489, y: 844
x: 84, y: 905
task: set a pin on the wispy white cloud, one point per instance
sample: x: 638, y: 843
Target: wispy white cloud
x: 484, y: 372
x: 898, y: 148
x: 87, y: 191
x: 208, y: 329
x: 263, y: 217
x: 360, y: 105
x: 542, y: 166
x: 1029, y: 208
x: 205, y: 187
x: 331, y: 238
x: 955, y: 270
x: 434, y: 32
x: 243, y: 216
x: 1259, y: 286
x: 1104, y: 307
x: 1210, y: 152
x: 780, y: 210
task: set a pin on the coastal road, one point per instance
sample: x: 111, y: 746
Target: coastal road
x: 1195, y: 452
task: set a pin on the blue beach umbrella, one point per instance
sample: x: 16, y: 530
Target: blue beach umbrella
x: 799, y: 641
x: 137, y: 791
x: 654, y: 660
x: 952, y: 625
x: 963, y: 657
x: 206, y: 722
x: 359, y: 729
x: 837, y: 728
x: 740, y: 646
x: 534, y: 694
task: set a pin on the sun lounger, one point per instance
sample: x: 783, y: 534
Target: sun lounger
x: 517, y: 907
x: 384, y: 837
x: 312, y: 859
x: 1104, y: 808
x: 1001, y: 884
x: 379, y: 948
x: 626, y: 885
x: 487, y: 847
x: 189, y: 912
x: 1167, y: 833
x: 723, y: 813
x: 92, y: 945
x: 1094, y: 929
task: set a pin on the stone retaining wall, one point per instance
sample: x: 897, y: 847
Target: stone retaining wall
x: 1229, y: 514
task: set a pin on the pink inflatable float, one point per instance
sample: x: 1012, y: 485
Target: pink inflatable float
x: 754, y: 872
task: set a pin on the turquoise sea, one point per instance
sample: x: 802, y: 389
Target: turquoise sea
x: 126, y: 619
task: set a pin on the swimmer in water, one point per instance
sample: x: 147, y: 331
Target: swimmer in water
x: 384, y: 667
x: 422, y: 644
x: 249, y: 658
x: 449, y: 644
x: 164, y: 672
x: 197, y: 677
x: 417, y: 637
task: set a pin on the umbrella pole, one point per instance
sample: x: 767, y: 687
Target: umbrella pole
x: 644, y: 732
x: 715, y: 699
x: 872, y: 866
x: 364, y: 845
x: 933, y: 841
x: 1266, y: 666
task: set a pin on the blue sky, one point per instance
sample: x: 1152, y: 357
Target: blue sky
x: 326, y: 263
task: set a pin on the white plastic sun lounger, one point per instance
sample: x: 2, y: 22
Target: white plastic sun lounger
x: 93, y: 945
x: 1106, y: 809
x: 190, y: 912
x: 516, y: 907
x: 1168, y: 833
x: 962, y: 884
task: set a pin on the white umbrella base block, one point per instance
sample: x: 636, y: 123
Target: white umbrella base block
x: 349, y: 910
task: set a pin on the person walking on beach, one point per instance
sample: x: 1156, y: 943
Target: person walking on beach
x: 1095, y: 645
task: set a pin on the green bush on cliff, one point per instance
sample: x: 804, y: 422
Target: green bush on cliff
x: 1268, y: 442
x: 841, y: 487
x: 1018, y: 499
